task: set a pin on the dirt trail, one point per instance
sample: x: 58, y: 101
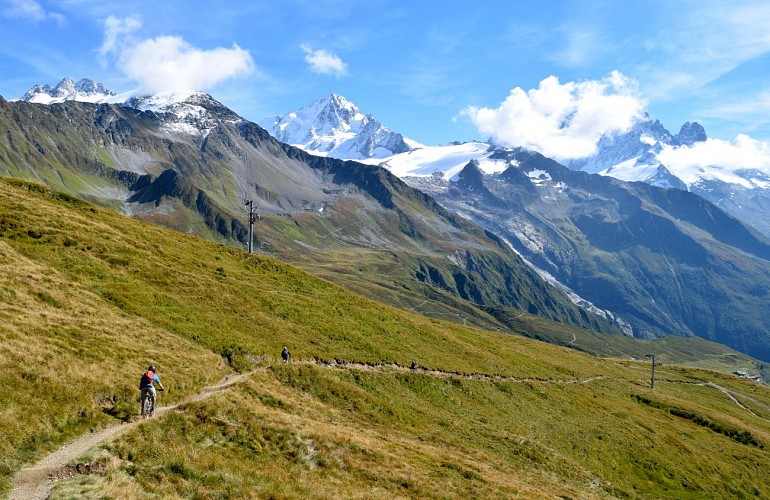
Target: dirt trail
x: 36, y: 482
x: 392, y: 367
x: 732, y: 395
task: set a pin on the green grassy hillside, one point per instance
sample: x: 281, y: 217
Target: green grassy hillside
x: 88, y: 298
x: 345, y: 219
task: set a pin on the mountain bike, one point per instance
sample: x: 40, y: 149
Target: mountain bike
x: 148, y: 408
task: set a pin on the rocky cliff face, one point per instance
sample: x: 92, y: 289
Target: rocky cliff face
x: 689, y: 134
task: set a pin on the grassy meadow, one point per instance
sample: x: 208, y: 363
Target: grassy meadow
x: 88, y: 298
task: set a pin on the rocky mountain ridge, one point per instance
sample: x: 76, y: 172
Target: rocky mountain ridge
x: 85, y: 90
x: 660, y: 261
x: 637, y: 157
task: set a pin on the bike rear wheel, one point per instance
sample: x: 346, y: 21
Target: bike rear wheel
x: 148, y: 409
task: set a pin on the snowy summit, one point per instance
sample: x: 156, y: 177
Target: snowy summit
x: 335, y: 127
x: 84, y: 90
x: 189, y: 111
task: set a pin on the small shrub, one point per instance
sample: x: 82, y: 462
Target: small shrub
x: 235, y: 356
x: 123, y: 410
x: 180, y: 469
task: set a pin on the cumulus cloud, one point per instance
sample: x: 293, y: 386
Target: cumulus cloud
x: 742, y: 153
x: 562, y: 121
x: 324, y: 62
x: 168, y: 63
x: 28, y: 10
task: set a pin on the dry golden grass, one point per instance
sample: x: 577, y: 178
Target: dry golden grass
x: 68, y: 359
x: 304, y: 431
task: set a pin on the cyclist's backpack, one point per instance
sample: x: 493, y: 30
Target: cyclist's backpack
x: 147, y: 378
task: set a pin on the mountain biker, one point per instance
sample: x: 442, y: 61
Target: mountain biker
x: 145, y: 386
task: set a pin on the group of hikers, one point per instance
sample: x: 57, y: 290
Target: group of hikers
x: 150, y: 377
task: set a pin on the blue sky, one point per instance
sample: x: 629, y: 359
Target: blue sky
x: 435, y: 71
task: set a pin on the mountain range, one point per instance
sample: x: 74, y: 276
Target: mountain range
x: 641, y: 155
x: 383, y: 396
x: 186, y: 161
x: 571, y: 246
x: 651, y: 256
x: 634, y: 156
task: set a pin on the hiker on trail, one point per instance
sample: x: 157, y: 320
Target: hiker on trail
x: 145, y: 386
x: 285, y: 354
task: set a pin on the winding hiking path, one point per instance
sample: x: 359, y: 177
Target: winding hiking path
x: 733, y: 395
x: 36, y: 482
x: 392, y: 367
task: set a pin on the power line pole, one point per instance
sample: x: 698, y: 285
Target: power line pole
x: 253, y: 216
x: 652, y: 374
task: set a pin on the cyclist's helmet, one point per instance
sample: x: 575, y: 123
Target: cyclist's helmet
x: 151, y: 368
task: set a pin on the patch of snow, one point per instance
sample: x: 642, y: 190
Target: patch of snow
x: 539, y: 176
x: 449, y: 160
x: 574, y: 297
x: 160, y: 103
x: 632, y: 170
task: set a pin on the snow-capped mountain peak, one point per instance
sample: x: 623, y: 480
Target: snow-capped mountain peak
x: 192, y: 112
x: 334, y: 126
x: 189, y: 111
x: 85, y: 90
x: 689, y: 134
x: 336, y: 112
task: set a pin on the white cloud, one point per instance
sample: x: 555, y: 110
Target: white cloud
x: 169, y: 63
x: 28, y: 10
x: 59, y: 18
x: 562, y: 121
x: 699, y: 160
x: 324, y: 62
x: 116, y: 33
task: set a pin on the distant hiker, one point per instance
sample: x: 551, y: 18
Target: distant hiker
x: 146, y: 387
x: 414, y: 365
x: 285, y: 354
